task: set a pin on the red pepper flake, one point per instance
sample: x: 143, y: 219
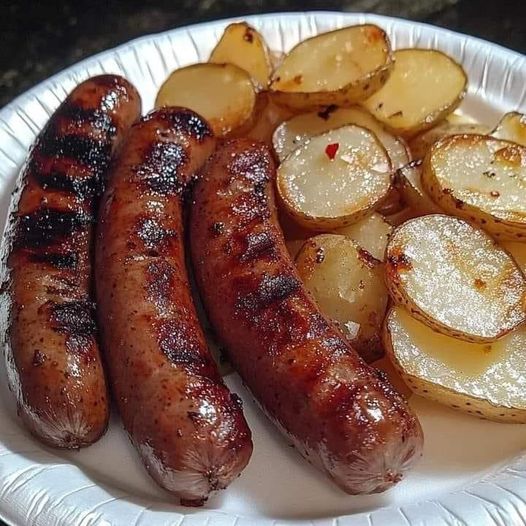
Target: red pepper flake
x: 331, y: 150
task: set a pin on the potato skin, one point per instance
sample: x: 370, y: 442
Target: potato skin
x: 187, y: 427
x: 53, y: 361
x: 341, y: 414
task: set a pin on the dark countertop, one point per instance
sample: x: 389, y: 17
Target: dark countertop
x: 42, y: 38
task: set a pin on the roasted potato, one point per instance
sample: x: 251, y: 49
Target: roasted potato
x: 222, y: 93
x: 453, y: 277
x: 339, y: 67
x: 335, y: 179
x: 348, y: 285
x: 243, y: 46
x: 512, y: 127
x: 371, y: 233
x: 424, y: 87
x: 409, y: 182
x: 481, y: 179
x: 485, y: 380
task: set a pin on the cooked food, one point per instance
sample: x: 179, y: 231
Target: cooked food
x: 422, y: 143
x: 454, y: 278
x: 481, y: 379
x: 299, y: 129
x: 480, y: 179
x: 518, y: 252
x: 53, y: 361
x: 222, y: 93
x: 339, y: 67
x: 424, y: 87
x: 348, y: 285
x: 409, y: 181
x: 187, y: 427
x: 243, y: 46
x: 371, y: 233
x: 512, y: 127
x: 386, y: 367
x: 335, y: 179
x: 339, y: 413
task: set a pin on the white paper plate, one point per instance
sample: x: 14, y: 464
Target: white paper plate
x: 473, y: 472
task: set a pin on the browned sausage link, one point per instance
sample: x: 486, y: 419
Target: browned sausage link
x: 188, y: 429
x: 53, y: 359
x: 337, y: 411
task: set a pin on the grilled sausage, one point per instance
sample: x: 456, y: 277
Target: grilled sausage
x: 188, y: 429
x: 53, y: 361
x: 342, y: 415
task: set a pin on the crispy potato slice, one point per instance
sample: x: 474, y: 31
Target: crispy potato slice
x: 299, y: 129
x: 454, y: 278
x: 222, y: 93
x: 335, y: 179
x: 485, y: 380
x: 425, y: 86
x: 401, y: 217
x: 348, y: 285
x: 340, y: 67
x: 371, y: 233
x: 517, y: 251
x: 512, y: 127
x: 480, y: 179
x: 243, y: 46
x: 409, y: 182
x: 422, y: 143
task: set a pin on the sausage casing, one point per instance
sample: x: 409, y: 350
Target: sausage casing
x: 341, y: 414
x: 188, y: 429
x: 53, y: 360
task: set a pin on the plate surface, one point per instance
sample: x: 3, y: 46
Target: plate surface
x: 472, y: 472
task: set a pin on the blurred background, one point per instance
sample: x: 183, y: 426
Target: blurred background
x: 40, y: 38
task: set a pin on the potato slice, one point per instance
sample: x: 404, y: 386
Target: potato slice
x: 401, y: 217
x: 485, y: 380
x: 340, y: 67
x: 299, y: 129
x: 409, y: 182
x: 481, y: 179
x: 371, y: 233
x: 517, y: 251
x: 335, y: 179
x: 222, y: 93
x: 454, y: 277
x: 425, y: 85
x: 243, y: 46
x: 512, y: 127
x: 422, y: 143
x: 348, y: 285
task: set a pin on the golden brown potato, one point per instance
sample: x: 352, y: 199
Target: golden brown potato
x: 222, y: 93
x: 409, y: 182
x: 481, y: 179
x: 512, y: 127
x: 348, y: 285
x: 340, y: 67
x: 424, y: 87
x: 485, y: 380
x: 453, y: 277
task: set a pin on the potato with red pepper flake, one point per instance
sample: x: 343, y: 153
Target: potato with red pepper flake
x: 335, y: 179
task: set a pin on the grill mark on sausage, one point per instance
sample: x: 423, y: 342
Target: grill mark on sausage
x: 160, y: 170
x: 252, y: 164
x: 184, y: 121
x: 153, y: 235
x: 73, y: 318
x: 68, y: 260
x: 45, y: 226
x: 180, y: 344
x: 269, y: 291
x: 79, y: 116
x: 258, y: 245
x: 86, y: 150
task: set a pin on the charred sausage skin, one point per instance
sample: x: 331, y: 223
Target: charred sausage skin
x: 53, y: 360
x: 342, y: 415
x: 188, y: 429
